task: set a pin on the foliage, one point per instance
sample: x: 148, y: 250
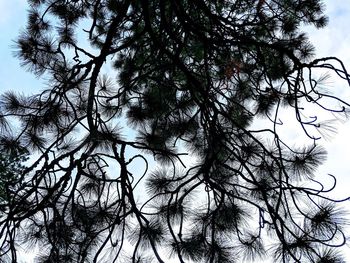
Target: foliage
x: 198, y: 90
x: 11, y: 168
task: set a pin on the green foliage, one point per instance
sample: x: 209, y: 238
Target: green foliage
x: 11, y: 169
x: 176, y: 149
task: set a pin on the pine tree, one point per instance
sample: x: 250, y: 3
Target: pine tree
x: 158, y: 134
x: 11, y: 168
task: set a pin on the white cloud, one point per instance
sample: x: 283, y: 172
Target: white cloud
x: 334, y: 40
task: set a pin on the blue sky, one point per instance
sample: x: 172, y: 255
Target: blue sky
x: 12, y: 20
x: 331, y: 41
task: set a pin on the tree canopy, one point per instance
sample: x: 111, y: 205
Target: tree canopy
x: 11, y: 167
x: 158, y: 134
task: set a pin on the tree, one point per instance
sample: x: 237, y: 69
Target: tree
x: 11, y: 168
x: 205, y: 81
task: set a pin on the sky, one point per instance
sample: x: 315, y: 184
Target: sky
x: 334, y: 40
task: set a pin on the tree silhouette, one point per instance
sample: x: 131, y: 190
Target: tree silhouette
x: 158, y: 134
x: 11, y: 167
